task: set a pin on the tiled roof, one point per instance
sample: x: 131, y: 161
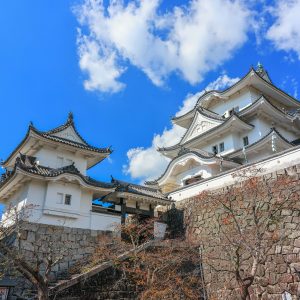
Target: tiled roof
x: 199, y: 153
x: 122, y: 186
x: 49, y: 135
x: 69, y: 123
x: 294, y: 112
x: 296, y: 101
x: 210, y: 114
x: 29, y: 164
x: 72, y: 143
x: 272, y: 131
x: 177, y: 146
x: 242, y: 112
x: 207, y: 112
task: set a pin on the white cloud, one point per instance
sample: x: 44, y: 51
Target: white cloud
x: 101, y: 66
x: 285, y: 32
x: 220, y: 83
x: 189, y: 40
x: 147, y: 163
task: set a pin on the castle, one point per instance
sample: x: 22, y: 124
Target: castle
x: 251, y: 122
x: 47, y: 173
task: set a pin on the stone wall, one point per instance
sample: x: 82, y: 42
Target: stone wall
x: 70, y: 244
x: 281, y: 271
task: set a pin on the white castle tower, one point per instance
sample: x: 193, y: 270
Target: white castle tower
x: 46, y: 173
x: 244, y: 124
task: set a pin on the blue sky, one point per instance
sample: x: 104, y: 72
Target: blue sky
x: 125, y: 71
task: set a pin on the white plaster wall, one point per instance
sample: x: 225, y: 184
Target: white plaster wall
x: 19, y: 200
x: 255, y: 94
x: 46, y: 210
x: 36, y: 198
x: 200, y: 125
x: 69, y: 134
x: 228, y: 140
x: 104, y: 221
x: 53, y: 189
x: 242, y: 99
x: 256, y: 133
x: 49, y: 157
x: 205, y: 170
x: 263, y: 127
x: 86, y: 201
x: 131, y: 203
x: 40, y: 200
x: 290, y: 136
x: 144, y: 206
x: 284, y: 160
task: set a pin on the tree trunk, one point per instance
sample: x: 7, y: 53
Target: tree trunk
x: 42, y: 292
x: 245, y: 293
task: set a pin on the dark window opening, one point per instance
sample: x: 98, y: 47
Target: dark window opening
x: 221, y: 147
x: 245, y: 141
x: 215, y: 149
x: 68, y: 199
x: 193, y: 179
x: 231, y: 111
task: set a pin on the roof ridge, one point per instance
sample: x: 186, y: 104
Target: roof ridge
x: 64, y: 140
x: 270, y: 83
x: 135, y: 185
x: 69, y: 123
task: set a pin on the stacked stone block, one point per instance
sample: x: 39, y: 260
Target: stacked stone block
x: 281, y: 272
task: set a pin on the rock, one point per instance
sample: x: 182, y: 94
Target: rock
x: 286, y: 278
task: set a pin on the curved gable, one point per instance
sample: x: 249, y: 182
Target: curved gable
x: 200, y: 125
x: 70, y: 134
x: 182, y: 162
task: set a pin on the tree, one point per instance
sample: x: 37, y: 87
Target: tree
x: 16, y: 260
x: 241, y: 226
x: 168, y: 269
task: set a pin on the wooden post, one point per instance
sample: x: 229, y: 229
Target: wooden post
x: 151, y: 211
x: 123, y: 210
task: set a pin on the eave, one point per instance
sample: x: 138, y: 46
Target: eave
x: 264, y: 107
x: 257, y: 165
x: 136, y: 192
x: 186, y: 120
x: 143, y: 198
x: 264, y: 104
x: 250, y: 79
x: 171, y: 151
x: 260, y: 144
x: 12, y: 185
x: 233, y: 123
x: 212, y: 160
x: 34, y: 139
x: 20, y: 175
